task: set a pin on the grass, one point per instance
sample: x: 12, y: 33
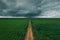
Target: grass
x: 43, y: 28
x: 14, y: 29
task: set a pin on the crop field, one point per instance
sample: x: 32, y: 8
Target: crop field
x: 46, y: 29
x: 43, y: 29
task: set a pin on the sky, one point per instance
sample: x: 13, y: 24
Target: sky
x: 30, y: 8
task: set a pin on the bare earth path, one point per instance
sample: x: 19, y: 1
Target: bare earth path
x: 29, y: 34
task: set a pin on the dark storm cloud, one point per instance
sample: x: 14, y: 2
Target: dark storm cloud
x: 29, y: 8
x: 32, y: 14
x: 11, y: 8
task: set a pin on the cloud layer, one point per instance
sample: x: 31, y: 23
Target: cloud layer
x: 30, y: 8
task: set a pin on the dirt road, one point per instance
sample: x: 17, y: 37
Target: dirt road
x: 29, y: 34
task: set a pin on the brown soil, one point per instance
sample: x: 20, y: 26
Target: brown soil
x: 29, y: 34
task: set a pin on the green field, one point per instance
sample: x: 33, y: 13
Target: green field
x: 15, y: 28
x: 43, y: 28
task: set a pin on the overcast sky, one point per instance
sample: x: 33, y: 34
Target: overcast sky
x: 30, y: 8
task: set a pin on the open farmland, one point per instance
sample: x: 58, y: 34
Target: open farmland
x: 46, y: 29
x: 12, y: 29
x: 43, y: 29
